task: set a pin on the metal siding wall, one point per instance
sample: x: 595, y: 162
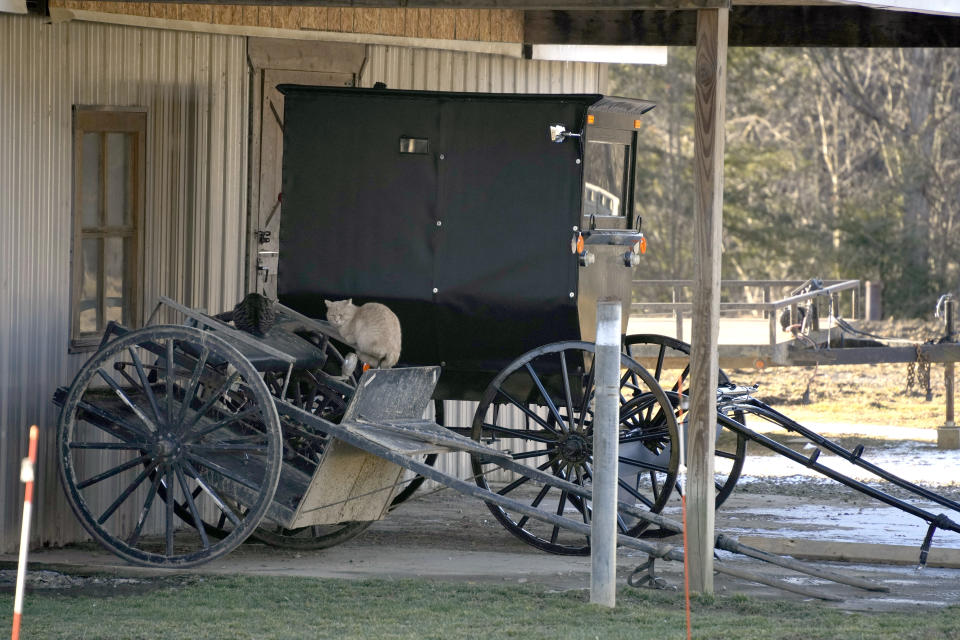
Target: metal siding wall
x: 194, y: 87
x: 435, y: 70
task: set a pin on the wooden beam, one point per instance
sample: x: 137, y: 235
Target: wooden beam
x: 478, y: 4
x: 710, y: 103
x: 750, y: 26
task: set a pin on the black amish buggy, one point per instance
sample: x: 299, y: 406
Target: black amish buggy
x: 491, y: 224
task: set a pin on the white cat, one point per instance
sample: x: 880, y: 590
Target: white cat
x: 372, y: 328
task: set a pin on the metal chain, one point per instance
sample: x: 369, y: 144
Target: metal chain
x: 911, y: 374
x: 923, y: 370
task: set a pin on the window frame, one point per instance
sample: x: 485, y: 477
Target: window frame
x: 103, y: 120
x: 627, y: 219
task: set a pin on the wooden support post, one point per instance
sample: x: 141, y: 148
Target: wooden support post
x: 711, y: 93
x: 606, y: 443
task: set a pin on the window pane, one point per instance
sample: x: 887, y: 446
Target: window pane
x: 118, y: 179
x: 90, y: 162
x: 114, y: 284
x: 89, y: 307
x: 604, y: 175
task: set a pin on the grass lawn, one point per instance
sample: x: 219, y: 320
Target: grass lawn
x: 266, y: 607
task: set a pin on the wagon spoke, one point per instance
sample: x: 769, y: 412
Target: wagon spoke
x: 171, y: 380
x: 533, y: 454
x: 587, y: 395
x: 636, y: 494
x: 522, y: 479
x: 114, y: 446
x: 536, y: 503
x: 212, y: 400
x: 526, y: 410
x: 546, y: 396
x: 548, y: 438
x: 145, y: 383
x: 225, y: 509
x: 565, y: 374
x: 191, y: 390
x: 109, y: 473
x: 111, y: 419
x: 125, y: 398
x: 126, y: 493
x: 145, y: 511
x: 646, y: 466
x: 168, y: 520
x: 556, y: 528
x: 188, y: 496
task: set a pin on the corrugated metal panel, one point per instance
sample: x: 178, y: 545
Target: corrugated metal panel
x: 194, y: 87
x: 436, y: 70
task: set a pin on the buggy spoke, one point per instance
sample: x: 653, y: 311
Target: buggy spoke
x: 533, y: 454
x: 587, y: 395
x: 546, y: 396
x: 145, y: 511
x: 168, y: 520
x: 145, y: 383
x: 536, y: 503
x: 221, y: 504
x: 126, y: 493
x: 523, y: 479
x: 109, y: 473
x: 114, y: 446
x: 636, y: 494
x: 548, y: 438
x: 223, y: 447
x: 214, y: 398
x: 191, y: 390
x: 526, y: 410
x: 188, y: 496
x: 171, y: 380
x: 126, y: 399
x: 111, y: 420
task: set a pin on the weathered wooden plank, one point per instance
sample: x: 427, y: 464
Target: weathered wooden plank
x: 333, y: 57
x: 391, y: 21
x: 484, y: 28
x: 251, y: 16
x: 710, y: 102
x: 196, y: 13
x: 467, y: 25
x: 287, y: 17
x: 750, y: 26
x: 443, y: 24
x: 513, y: 27
x: 227, y: 14
x: 169, y: 10
x: 367, y: 21
x: 265, y: 16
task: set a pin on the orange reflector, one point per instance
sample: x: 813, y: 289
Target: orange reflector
x: 590, y: 118
x: 759, y: 364
x: 579, y: 243
x: 643, y: 245
x: 636, y: 124
x: 365, y: 366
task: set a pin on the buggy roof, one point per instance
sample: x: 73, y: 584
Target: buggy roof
x: 596, y: 102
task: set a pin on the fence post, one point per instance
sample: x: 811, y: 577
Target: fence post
x: 606, y: 444
x: 948, y: 436
x: 874, y: 309
x: 677, y: 313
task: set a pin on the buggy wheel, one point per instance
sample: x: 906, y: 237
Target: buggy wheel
x: 540, y: 409
x: 668, y: 360
x: 173, y: 412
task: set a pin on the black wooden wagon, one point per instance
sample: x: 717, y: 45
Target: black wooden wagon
x: 491, y: 224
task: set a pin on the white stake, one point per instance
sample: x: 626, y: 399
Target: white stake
x: 26, y: 476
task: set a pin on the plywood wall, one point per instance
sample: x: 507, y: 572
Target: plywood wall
x: 487, y: 25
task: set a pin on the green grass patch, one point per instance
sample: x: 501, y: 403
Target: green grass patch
x: 267, y: 607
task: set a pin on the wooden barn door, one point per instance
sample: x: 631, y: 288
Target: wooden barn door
x: 277, y: 62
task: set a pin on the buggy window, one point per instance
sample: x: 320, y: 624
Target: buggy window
x: 605, y: 174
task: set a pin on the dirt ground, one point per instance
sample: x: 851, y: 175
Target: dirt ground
x: 442, y: 535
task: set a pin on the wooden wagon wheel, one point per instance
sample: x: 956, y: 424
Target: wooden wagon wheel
x: 672, y: 371
x: 540, y: 409
x: 176, y: 413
